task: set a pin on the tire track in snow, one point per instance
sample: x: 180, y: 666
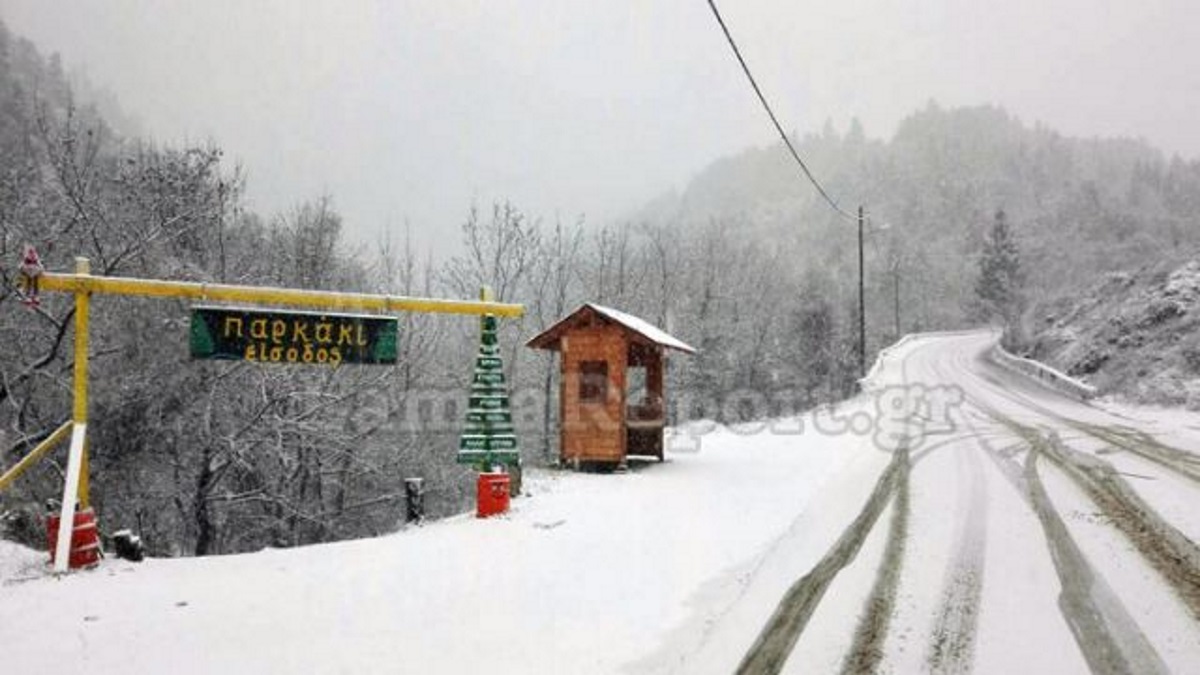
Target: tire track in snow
x: 1172, y: 554
x: 867, y: 650
x: 1146, y: 446
x: 1108, y: 638
x: 778, y: 637
x: 952, y: 650
x: 1181, y: 462
x: 1175, y: 557
x: 952, y: 641
x: 774, y: 644
x: 952, y: 646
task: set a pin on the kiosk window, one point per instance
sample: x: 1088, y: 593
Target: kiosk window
x: 593, y: 381
x: 636, y: 392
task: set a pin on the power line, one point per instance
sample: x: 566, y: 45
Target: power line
x: 774, y: 120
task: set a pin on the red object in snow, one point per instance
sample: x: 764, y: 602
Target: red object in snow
x: 85, y: 540
x: 492, y: 494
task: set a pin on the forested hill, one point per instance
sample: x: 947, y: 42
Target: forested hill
x: 1078, y: 206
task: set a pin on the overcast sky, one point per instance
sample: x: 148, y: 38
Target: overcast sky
x: 408, y: 111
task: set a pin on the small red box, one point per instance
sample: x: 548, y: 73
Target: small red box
x: 492, y: 494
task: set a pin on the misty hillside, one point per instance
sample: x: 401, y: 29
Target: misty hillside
x: 1136, y: 334
x: 1078, y: 206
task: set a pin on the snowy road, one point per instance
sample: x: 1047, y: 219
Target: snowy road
x: 1038, y: 534
x: 955, y: 518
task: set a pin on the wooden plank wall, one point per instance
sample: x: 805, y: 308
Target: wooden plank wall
x: 594, y: 432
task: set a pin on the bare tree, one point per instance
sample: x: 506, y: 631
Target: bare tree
x: 555, y: 277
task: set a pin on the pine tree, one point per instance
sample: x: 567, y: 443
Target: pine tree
x: 998, y: 288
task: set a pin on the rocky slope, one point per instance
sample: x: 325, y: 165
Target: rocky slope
x: 1136, y: 335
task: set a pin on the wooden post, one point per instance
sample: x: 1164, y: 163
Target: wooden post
x: 414, y: 500
x: 862, y: 311
x: 654, y: 381
x: 896, y: 296
x: 655, y: 388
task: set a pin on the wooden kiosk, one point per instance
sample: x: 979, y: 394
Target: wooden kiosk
x: 611, y: 401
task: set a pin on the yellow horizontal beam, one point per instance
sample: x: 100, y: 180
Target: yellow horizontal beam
x: 329, y: 300
x: 32, y: 458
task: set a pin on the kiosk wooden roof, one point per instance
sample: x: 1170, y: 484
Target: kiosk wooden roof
x: 602, y: 419
x: 551, y: 337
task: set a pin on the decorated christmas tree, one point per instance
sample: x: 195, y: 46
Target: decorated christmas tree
x: 488, y: 439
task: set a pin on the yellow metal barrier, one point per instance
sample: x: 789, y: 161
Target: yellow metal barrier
x: 29, y: 460
x: 84, y: 283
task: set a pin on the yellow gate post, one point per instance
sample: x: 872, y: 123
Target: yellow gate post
x: 75, y: 487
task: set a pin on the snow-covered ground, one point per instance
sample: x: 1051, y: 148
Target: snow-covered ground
x: 588, y: 573
x: 987, y: 549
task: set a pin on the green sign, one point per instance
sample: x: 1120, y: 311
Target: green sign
x: 292, y: 337
x: 488, y: 437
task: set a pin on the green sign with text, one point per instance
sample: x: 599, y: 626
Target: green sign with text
x: 292, y: 337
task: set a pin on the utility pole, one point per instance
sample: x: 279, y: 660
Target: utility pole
x: 862, y: 312
x: 896, y: 294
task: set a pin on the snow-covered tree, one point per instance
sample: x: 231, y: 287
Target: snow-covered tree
x: 998, y: 289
